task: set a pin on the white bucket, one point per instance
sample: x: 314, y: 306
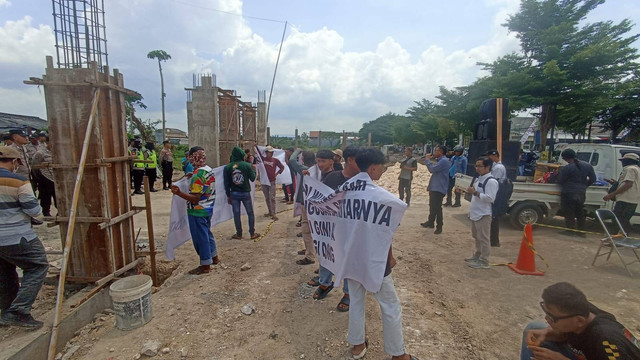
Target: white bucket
x: 132, y: 301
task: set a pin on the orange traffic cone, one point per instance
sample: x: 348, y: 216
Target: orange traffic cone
x: 526, y: 264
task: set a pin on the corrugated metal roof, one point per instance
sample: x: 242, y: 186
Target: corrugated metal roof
x: 14, y: 121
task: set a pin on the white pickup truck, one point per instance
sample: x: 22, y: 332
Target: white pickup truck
x: 531, y: 202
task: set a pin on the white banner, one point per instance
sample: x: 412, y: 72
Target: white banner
x: 284, y: 178
x: 352, y: 227
x: 178, y: 223
x: 315, y: 173
x: 529, y: 132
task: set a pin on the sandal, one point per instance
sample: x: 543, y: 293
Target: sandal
x: 255, y: 236
x: 411, y: 357
x: 298, y: 224
x: 302, y: 252
x: 216, y: 260
x: 202, y: 269
x: 236, y: 237
x: 305, y: 261
x: 363, y: 352
x: 322, y: 293
x: 345, y: 303
x: 299, y: 234
x: 314, y: 282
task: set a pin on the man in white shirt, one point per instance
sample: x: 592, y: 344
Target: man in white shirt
x: 499, y: 172
x: 483, y: 192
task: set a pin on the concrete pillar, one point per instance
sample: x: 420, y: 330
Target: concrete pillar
x: 262, y: 137
x: 296, y: 139
x: 202, y: 119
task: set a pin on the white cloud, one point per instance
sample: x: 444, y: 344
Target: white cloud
x: 6, y: 3
x: 24, y: 44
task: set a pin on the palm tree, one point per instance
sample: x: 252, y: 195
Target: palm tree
x: 161, y: 55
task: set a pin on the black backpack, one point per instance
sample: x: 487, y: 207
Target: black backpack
x: 500, y: 205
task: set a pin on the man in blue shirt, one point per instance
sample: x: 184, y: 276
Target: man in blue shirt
x: 458, y: 166
x: 438, y: 165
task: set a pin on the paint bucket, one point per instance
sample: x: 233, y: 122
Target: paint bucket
x: 132, y: 301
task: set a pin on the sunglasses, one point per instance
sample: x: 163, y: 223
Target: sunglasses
x: 554, y: 318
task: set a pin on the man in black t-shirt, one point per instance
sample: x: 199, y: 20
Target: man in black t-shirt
x: 576, y: 330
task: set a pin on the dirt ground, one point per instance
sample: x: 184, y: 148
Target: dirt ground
x: 450, y: 311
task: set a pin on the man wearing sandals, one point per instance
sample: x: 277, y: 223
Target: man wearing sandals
x: 238, y: 175
x: 334, y: 180
x: 200, y: 201
x: 372, y: 162
x: 308, y: 160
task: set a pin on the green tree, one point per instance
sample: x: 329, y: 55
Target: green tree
x: 137, y: 126
x: 565, y: 67
x: 381, y: 129
x: 161, y: 56
x: 624, y: 112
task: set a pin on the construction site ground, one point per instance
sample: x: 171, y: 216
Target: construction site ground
x: 450, y: 311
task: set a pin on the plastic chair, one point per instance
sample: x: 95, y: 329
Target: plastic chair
x: 615, y: 241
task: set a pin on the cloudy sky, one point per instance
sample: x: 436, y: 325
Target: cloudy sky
x: 343, y: 62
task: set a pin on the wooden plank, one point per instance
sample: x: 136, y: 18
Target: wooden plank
x: 67, y: 166
x: 36, y: 81
x: 117, y: 219
x: 118, y: 272
x: 116, y: 159
x: 80, y: 219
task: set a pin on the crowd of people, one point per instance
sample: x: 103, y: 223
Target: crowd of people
x: 575, y: 329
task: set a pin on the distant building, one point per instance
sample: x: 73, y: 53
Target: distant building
x: 175, y: 136
x: 13, y: 121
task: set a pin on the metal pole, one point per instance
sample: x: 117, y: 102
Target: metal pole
x: 275, y: 71
x: 499, y: 127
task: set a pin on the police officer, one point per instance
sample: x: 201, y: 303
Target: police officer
x: 138, y: 167
x: 150, y: 167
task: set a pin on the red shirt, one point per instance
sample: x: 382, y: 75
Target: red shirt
x: 270, y: 164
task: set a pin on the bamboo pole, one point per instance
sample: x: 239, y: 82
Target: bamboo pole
x: 71, y: 226
x: 499, y: 127
x: 152, y: 242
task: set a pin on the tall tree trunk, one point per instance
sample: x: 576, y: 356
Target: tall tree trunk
x: 164, y: 128
x: 547, y: 123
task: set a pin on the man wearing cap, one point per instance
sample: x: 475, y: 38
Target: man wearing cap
x: 19, y: 245
x: 407, y: 167
x: 574, y: 178
x: 499, y: 172
x: 438, y: 185
x: 46, y: 187
x: 627, y: 195
x: 269, y: 191
x: 6, y: 140
x: 19, y: 139
x: 337, y: 158
x: 150, y: 167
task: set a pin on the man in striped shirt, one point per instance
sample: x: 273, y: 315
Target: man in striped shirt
x: 19, y: 245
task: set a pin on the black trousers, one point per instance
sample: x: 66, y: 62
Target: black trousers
x: 435, y: 208
x: 624, y: 212
x: 138, y: 176
x: 572, y: 205
x: 47, y: 191
x: 153, y: 175
x: 452, y: 184
x: 404, y: 187
x: 167, y: 173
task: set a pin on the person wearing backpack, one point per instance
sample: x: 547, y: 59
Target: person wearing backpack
x: 483, y: 192
x: 238, y: 175
x: 499, y: 172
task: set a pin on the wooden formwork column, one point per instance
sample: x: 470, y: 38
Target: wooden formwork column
x: 97, y: 251
x: 229, y: 105
x: 249, y: 126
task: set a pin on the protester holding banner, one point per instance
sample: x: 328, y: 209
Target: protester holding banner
x: 334, y: 180
x: 438, y: 185
x: 237, y: 177
x: 269, y: 185
x: 324, y: 161
x: 372, y: 162
x: 200, y: 201
x: 308, y: 160
x: 483, y: 194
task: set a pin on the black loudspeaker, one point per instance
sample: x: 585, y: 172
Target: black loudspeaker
x: 489, y: 109
x: 510, y: 155
x: 488, y: 129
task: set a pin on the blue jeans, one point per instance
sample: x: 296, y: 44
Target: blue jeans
x: 238, y: 197
x: 325, y: 277
x: 203, y: 241
x: 562, y: 348
x: 32, y: 259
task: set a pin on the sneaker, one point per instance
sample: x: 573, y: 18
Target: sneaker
x: 479, y: 264
x: 427, y: 225
x: 23, y: 320
x: 472, y: 259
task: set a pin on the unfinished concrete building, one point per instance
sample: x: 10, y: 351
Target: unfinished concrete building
x: 218, y: 120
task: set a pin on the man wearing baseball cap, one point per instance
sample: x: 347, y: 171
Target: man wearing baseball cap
x: 627, y: 195
x: 19, y: 245
x: 337, y: 158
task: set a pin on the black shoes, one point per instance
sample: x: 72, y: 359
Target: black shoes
x: 438, y: 231
x: 22, y: 320
x: 456, y: 205
x: 427, y: 225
